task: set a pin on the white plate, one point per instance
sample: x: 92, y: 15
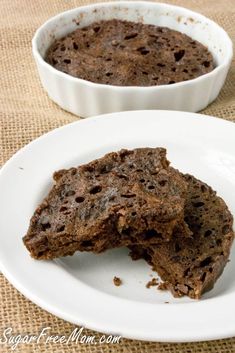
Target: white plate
x: 79, y: 288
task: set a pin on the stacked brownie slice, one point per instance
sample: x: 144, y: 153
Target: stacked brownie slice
x: 191, y: 266
x: 136, y: 199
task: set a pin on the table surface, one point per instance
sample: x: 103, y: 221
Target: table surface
x: 26, y: 112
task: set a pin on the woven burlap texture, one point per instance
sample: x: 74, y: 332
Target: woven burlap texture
x: 26, y: 112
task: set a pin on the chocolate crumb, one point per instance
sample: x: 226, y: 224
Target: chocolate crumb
x: 163, y: 286
x: 117, y: 281
x: 153, y: 282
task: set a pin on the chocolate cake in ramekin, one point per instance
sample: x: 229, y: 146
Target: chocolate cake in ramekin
x: 99, y: 93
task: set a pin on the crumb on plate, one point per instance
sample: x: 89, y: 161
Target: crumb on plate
x: 153, y: 282
x: 117, y: 281
x: 163, y: 286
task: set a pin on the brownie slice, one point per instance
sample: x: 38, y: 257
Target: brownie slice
x: 191, y: 266
x: 125, y: 53
x: 120, y: 199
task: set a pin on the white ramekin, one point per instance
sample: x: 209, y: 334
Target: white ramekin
x: 85, y: 98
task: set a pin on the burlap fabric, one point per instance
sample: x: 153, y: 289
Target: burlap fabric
x: 26, y: 112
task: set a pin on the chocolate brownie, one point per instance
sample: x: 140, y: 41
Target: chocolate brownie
x: 125, y: 53
x: 191, y: 266
x: 120, y: 199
